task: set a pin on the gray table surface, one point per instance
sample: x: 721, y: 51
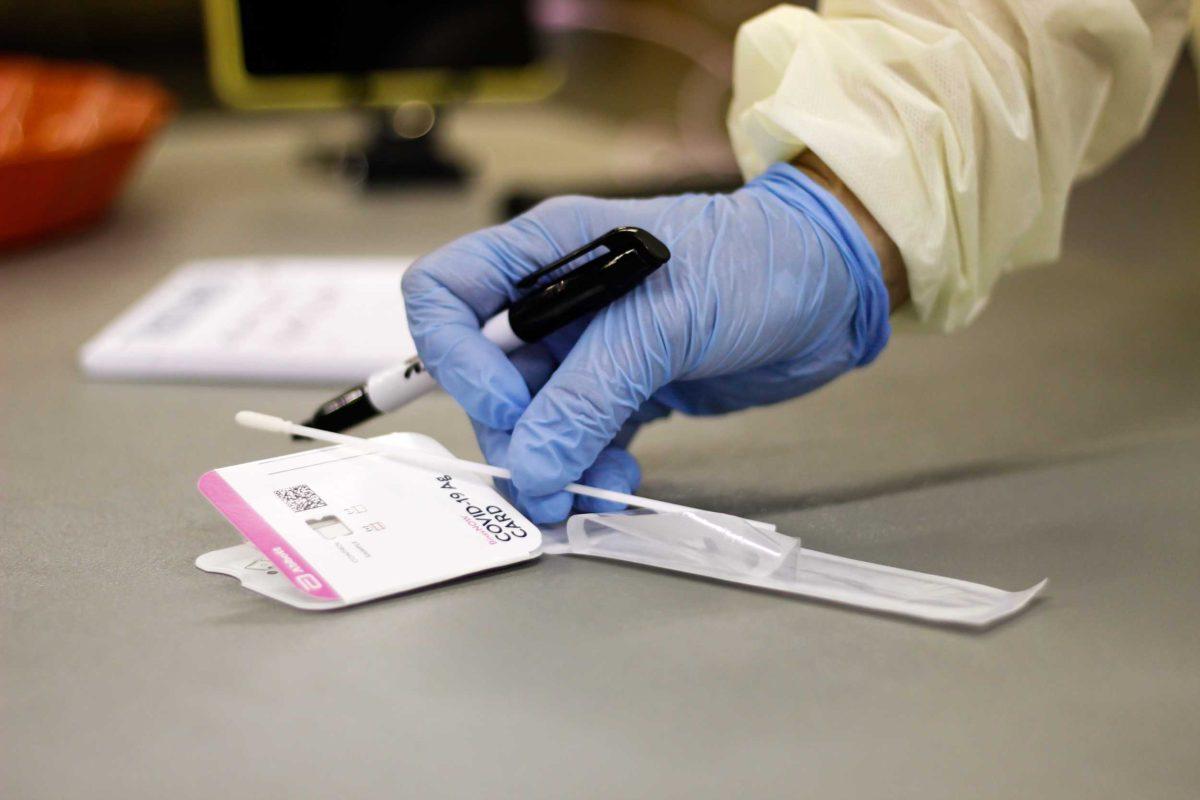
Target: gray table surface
x: 1058, y: 437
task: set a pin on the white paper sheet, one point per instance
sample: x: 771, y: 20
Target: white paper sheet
x: 279, y: 320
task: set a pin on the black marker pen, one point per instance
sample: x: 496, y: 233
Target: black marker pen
x: 632, y: 255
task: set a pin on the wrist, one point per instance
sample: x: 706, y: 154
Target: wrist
x: 891, y: 264
x: 815, y: 206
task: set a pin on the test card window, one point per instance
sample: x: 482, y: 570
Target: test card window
x: 329, y: 527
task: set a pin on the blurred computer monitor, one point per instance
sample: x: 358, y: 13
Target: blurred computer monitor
x: 285, y: 54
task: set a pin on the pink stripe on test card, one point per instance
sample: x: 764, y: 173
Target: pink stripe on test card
x: 263, y: 536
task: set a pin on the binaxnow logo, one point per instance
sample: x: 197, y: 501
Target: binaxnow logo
x: 306, y: 580
x: 492, y: 519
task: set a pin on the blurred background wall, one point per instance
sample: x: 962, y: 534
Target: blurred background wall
x: 164, y: 38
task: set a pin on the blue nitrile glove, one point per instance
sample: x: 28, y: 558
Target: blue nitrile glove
x: 771, y: 291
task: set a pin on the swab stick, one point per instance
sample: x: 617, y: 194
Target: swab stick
x: 419, y: 458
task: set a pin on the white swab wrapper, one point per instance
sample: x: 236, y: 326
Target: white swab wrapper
x: 726, y: 548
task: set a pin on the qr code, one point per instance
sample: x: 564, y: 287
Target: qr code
x: 300, y: 498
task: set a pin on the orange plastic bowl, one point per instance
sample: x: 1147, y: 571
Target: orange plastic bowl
x: 68, y: 137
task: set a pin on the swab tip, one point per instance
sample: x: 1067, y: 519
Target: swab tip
x: 263, y: 422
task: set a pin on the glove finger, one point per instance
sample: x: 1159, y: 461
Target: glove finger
x: 535, y: 363
x: 545, y: 509
x: 451, y: 292
x: 479, y: 376
x: 606, y: 377
x: 539, y: 509
x: 562, y: 340
x: 615, y: 469
x: 445, y: 328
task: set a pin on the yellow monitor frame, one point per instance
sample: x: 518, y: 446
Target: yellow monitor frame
x: 238, y: 88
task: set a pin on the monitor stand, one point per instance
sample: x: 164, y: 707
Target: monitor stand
x: 401, y: 150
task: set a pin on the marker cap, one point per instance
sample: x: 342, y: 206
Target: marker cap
x: 632, y: 255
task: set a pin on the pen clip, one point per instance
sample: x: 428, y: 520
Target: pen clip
x: 530, y: 280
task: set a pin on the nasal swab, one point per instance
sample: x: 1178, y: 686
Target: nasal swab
x: 419, y: 458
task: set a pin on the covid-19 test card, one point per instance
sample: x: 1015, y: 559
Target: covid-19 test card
x: 335, y: 526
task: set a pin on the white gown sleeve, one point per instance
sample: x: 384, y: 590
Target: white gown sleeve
x: 960, y: 125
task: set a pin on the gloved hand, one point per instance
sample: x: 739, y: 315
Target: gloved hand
x: 771, y: 291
